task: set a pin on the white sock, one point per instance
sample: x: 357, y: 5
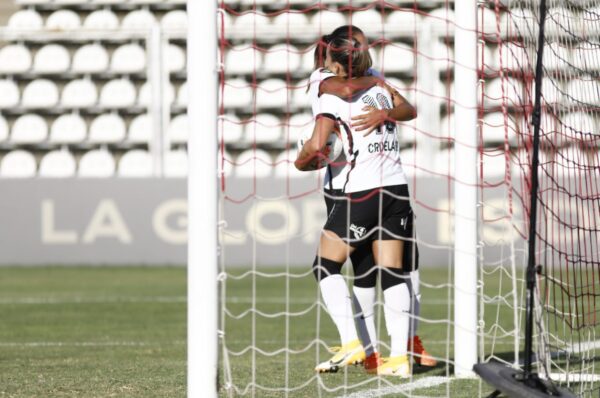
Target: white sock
x: 364, y: 310
x: 415, y: 290
x: 339, y: 305
x: 396, y: 310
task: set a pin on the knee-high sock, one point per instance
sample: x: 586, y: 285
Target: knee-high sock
x: 339, y: 305
x: 364, y: 310
x: 396, y: 309
x: 415, y: 295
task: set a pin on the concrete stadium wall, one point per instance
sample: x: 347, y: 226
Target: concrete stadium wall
x: 144, y: 221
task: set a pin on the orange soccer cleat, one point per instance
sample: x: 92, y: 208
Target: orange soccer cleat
x: 421, y: 357
x: 372, y: 362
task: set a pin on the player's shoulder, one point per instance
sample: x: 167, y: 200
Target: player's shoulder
x: 321, y: 74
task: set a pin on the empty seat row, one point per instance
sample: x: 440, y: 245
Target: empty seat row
x: 83, y: 93
x: 98, y: 163
x: 67, y: 20
x: 90, y: 58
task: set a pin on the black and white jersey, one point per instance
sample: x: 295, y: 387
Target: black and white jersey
x: 372, y: 161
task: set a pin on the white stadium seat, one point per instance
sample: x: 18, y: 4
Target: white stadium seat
x: 486, y: 18
x: 513, y: 92
x: 570, y: 162
x: 26, y: 20
x: 557, y: 57
x: 174, y: 20
x: 128, y: 58
x: 243, y: 59
x: 284, y: 165
x: 15, y: 58
x: 369, y: 20
x: 495, y: 126
x: 63, y: 20
x: 52, y: 58
x: 10, y: 94
x: 176, y: 164
x: 237, y: 93
x: 282, y: 58
x: 231, y: 129
x: 552, y: 91
x: 272, y: 93
x: 178, y: 130
x: 40, y: 93
x: 119, y: 93
x: 107, y: 129
x: 91, y: 58
x: 289, y: 22
x: 298, y: 125
x: 29, y: 129
x: 174, y: 58
x: 3, y: 129
x: 583, y: 91
x: 307, y: 64
x: 253, y: 163
x: 251, y: 23
x: 18, y: 164
x: 402, y: 21
x: 145, y: 94
x: 575, y: 127
x: 68, y: 128
x: 585, y: 57
x: 494, y: 165
x: 140, y: 129
x: 442, y: 19
x: 97, y: 163
x: 299, y: 95
x: 514, y: 57
x: 101, y: 20
x: 325, y: 21
x: 561, y: 22
x: 397, y: 58
x: 57, y: 164
x: 182, y: 95
x: 80, y: 93
x: 138, y: 19
x: 518, y: 21
x: 135, y: 163
x: 264, y: 129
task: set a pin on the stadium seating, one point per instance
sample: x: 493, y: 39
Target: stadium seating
x: 397, y: 58
x: 178, y: 130
x: 577, y: 126
x: 224, y: 163
x: 68, y: 128
x: 135, y: 163
x: 299, y: 124
x: 253, y: 163
x: 138, y: 20
x: 282, y: 58
x: 509, y: 90
x: 560, y: 22
x: 29, y: 129
x: 118, y: 93
x: 107, y: 129
x: 518, y: 20
x: 494, y: 165
x: 264, y: 129
x: 10, y: 94
x: 182, y: 95
x: 97, y: 163
x: 52, y: 58
x: 145, y: 94
x: 401, y: 21
x: 497, y: 126
x: 174, y: 57
x: 174, y: 20
x: 40, y: 93
x: 289, y: 22
x: 585, y: 57
x: 128, y: 58
x: 57, y: 164
x: 231, y: 129
x: 583, y: 90
x: 243, y: 59
x: 3, y: 129
x: 63, y: 20
x: 18, y: 164
x: 101, y: 19
x: 80, y: 93
x: 26, y: 19
x: 284, y: 165
x: 90, y: 58
x: 323, y: 21
x: 251, y: 24
x: 298, y: 94
x: 557, y: 57
x: 140, y: 130
x: 272, y: 93
x: 237, y: 93
x: 176, y: 164
x: 15, y: 58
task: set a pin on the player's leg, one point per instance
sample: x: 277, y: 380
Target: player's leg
x: 388, y: 255
x: 364, y: 297
x: 327, y: 266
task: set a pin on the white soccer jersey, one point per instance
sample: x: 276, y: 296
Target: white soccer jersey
x: 372, y: 161
x: 334, y: 177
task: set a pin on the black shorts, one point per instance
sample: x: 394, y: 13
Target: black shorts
x: 376, y: 214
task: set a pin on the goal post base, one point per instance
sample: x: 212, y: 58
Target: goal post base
x: 512, y: 382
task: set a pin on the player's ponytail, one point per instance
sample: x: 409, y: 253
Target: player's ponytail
x: 350, y: 54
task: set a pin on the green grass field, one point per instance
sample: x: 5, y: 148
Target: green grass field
x: 121, y: 332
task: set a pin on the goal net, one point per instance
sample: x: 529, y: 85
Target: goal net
x: 274, y: 327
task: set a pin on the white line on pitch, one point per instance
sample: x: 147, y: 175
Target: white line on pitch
x: 93, y: 300
x: 304, y: 300
x: 91, y: 343
x: 402, y: 389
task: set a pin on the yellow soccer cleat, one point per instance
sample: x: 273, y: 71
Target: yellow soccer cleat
x: 349, y: 354
x: 394, y: 366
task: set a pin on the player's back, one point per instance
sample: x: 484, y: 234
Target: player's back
x: 374, y: 160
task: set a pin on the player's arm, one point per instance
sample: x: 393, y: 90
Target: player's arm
x: 346, y: 88
x: 312, y: 154
x: 373, y: 118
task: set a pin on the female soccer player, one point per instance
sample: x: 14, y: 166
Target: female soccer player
x: 323, y: 81
x: 373, y: 182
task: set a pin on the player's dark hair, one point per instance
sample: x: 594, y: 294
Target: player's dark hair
x: 350, y: 54
x: 321, y: 48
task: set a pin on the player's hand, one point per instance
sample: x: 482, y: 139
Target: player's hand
x: 371, y: 120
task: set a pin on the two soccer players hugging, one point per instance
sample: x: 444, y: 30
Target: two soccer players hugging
x: 369, y: 214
